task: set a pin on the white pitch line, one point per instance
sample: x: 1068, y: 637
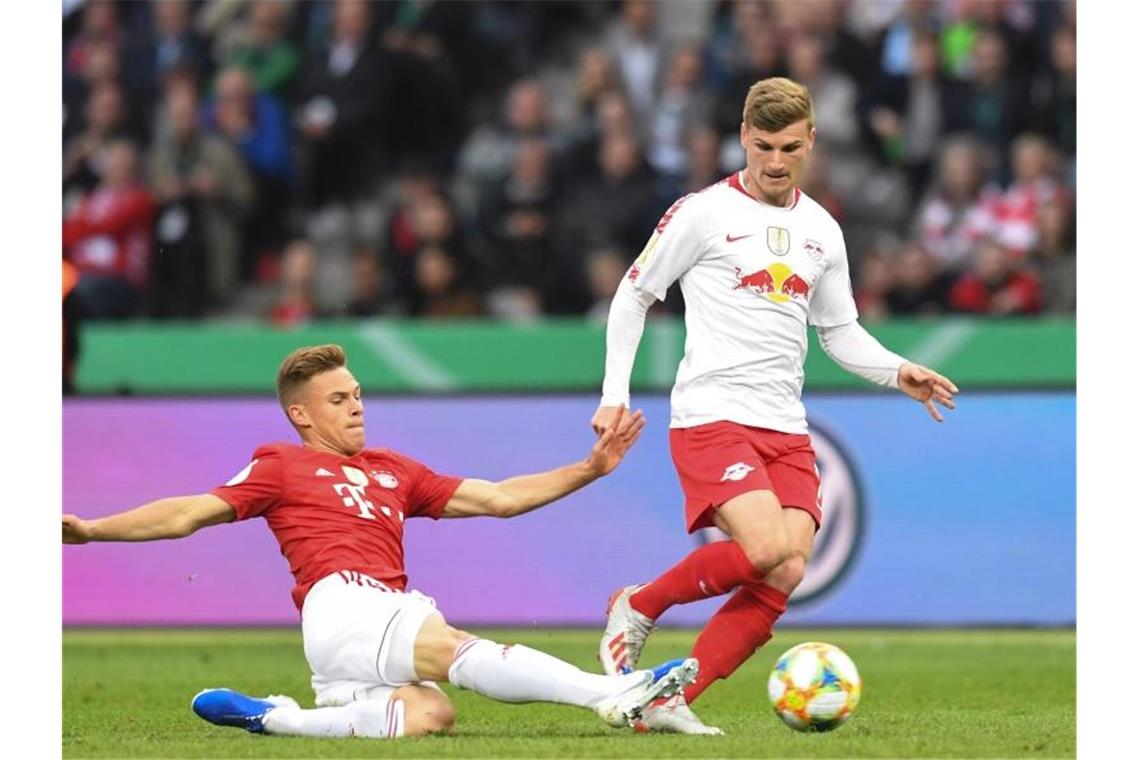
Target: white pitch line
x: 408, y: 362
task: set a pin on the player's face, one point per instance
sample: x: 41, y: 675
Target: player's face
x: 776, y: 159
x: 330, y: 412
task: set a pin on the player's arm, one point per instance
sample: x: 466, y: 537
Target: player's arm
x: 624, y: 327
x: 856, y: 350
x: 675, y: 245
x: 521, y: 494
x: 174, y: 517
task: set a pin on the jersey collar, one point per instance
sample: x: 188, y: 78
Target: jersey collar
x: 734, y: 181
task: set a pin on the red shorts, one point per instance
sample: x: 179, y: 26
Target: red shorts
x: 722, y: 460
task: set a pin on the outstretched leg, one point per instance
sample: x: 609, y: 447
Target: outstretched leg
x: 409, y: 711
x: 520, y: 674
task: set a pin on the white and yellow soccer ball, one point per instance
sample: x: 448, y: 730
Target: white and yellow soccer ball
x: 814, y: 687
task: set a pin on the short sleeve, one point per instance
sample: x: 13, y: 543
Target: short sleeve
x: 832, y: 302
x: 429, y: 492
x: 673, y: 248
x: 257, y: 487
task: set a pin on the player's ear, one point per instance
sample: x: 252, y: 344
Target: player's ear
x: 811, y: 139
x: 299, y: 416
x: 744, y: 136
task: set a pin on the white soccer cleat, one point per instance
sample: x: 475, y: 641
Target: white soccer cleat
x: 625, y: 635
x: 673, y: 716
x: 664, y: 681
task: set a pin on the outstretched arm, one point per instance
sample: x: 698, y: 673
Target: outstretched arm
x: 175, y: 517
x: 856, y: 350
x: 518, y: 495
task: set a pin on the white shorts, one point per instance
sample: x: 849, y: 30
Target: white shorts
x: 360, y: 637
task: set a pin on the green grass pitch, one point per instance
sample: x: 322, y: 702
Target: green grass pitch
x: 926, y: 694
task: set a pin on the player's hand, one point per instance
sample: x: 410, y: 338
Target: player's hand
x: 927, y: 386
x: 75, y: 530
x: 621, y: 433
x: 603, y: 418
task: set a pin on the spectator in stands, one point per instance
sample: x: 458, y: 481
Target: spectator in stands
x: 1055, y: 256
x: 371, y: 296
x: 995, y: 285
x: 915, y: 17
x: 105, y: 122
x: 488, y: 153
x: 681, y: 106
x: 522, y: 254
x: 919, y: 285
x: 258, y: 126
x: 834, y: 98
x: 170, y: 43
x: 845, y: 51
x: 205, y: 193
x: 909, y: 114
x: 997, y: 102
x: 614, y: 116
x: 1056, y: 92
x: 597, y: 75
x: 264, y: 49
x: 620, y: 207
x: 101, y: 67
x: 1034, y: 185
x: 961, y: 209
x: 428, y: 219
x: 762, y: 58
x: 99, y: 26
x: 295, y: 304
x: 429, y: 47
x: 441, y: 291
x: 344, y: 94
x: 636, y: 44
x: 108, y: 238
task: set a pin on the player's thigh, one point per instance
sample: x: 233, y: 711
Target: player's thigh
x: 358, y: 631
x: 716, y: 464
x: 755, y: 521
x: 435, y: 648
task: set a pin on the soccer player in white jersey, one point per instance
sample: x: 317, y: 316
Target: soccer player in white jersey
x: 338, y: 510
x: 758, y: 261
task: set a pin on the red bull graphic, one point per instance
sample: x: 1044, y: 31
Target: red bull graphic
x: 776, y: 283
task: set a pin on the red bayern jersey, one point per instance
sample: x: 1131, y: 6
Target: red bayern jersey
x: 333, y: 513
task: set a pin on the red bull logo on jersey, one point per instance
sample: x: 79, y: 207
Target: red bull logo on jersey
x: 776, y: 283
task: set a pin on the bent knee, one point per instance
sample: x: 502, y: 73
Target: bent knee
x: 429, y: 715
x: 788, y: 574
x: 768, y: 555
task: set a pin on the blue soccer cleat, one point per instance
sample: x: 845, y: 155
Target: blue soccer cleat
x: 226, y: 707
x: 647, y: 686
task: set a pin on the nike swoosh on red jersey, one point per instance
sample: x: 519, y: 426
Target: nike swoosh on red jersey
x: 730, y: 239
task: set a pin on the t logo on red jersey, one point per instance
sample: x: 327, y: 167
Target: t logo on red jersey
x: 353, y: 496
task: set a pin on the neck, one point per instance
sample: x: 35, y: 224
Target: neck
x: 316, y: 444
x: 783, y: 200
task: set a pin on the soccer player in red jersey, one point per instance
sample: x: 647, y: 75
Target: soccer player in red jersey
x: 338, y: 509
x: 758, y: 261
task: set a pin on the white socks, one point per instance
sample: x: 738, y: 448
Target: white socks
x: 521, y: 674
x: 369, y: 719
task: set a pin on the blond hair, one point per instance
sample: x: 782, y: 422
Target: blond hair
x: 775, y: 103
x: 302, y: 364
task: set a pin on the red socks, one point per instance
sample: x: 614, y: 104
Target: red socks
x: 737, y: 630
x: 711, y: 570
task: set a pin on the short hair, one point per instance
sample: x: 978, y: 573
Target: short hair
x: 302, y: 364
x: 775, y: 103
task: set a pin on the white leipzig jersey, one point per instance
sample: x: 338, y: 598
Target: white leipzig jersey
x: 753, y: 276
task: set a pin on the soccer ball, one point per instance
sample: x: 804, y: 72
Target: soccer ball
x: 814, y: 687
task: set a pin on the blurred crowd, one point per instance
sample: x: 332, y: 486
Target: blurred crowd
x: 289, y: 161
